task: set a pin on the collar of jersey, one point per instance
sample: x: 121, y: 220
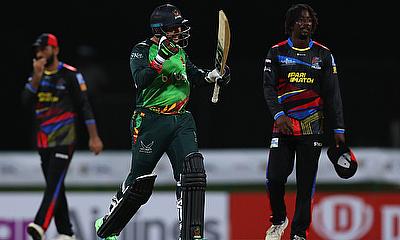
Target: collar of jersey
x: 300, y: 49
x: 60, y: 66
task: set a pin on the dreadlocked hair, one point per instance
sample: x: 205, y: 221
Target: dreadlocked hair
x: 293, y: 14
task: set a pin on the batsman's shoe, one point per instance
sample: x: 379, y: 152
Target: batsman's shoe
x: 295, y: 237
x: 65, y: 237
x: 275, y: 232
x: 195, y: 238
x: 35, y: 231
x: 97, y: 225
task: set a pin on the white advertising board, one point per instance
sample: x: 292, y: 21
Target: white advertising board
x: 234, y: 166
x: 156, y: 220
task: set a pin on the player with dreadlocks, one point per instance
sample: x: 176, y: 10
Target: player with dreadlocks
x: 163, y: 76
x: 300, y: 87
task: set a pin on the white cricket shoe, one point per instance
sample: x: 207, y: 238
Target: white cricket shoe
x: 65, y: 237
x: 35, y: 231
x: 275, y: 232
x: 295, y: 237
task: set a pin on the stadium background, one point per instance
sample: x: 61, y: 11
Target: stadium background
x: 97, y: 36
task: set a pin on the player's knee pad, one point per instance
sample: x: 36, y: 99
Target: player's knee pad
x: 134, y: 196
x: 193, y: 185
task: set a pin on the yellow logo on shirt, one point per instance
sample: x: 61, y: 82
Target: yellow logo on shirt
x: 47, y: 97
x: 299, y: 77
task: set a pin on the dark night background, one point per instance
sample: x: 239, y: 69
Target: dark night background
x: 97, y: 37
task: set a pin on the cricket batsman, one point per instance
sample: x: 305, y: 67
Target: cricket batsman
x: 163, y: 76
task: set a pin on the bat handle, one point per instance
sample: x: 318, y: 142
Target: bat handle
x: 214, y: 98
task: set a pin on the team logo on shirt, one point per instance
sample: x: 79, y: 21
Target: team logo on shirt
x: 315, y: 63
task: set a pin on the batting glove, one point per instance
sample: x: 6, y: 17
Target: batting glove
x: 214, y: 76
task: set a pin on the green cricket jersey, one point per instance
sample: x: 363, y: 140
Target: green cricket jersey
x: 167, y: 92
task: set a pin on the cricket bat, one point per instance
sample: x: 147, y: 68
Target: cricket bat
x: 223, y: 42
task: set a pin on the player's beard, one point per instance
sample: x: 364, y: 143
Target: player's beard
x: 303, y: 36
x: 50, y: 60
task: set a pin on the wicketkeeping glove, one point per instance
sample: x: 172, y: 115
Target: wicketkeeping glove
x: 214, y: 75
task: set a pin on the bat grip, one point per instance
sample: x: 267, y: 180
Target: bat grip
x: 214, y: 98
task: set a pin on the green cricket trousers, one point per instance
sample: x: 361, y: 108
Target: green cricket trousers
x: 154, y: 134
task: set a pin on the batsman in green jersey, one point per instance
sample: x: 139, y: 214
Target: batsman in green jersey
x: 164, y: 77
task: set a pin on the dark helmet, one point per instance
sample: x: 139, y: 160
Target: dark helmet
x: 166, y: 18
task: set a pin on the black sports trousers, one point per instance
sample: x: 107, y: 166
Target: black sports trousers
x: 284, y: 152
x: 55, y: 162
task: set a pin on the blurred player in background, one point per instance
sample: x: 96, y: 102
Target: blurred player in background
x: 300, y: 86
x: 163, y: 76
x: 57, y: 92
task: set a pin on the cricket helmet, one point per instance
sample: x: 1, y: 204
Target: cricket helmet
x: 167, y: 18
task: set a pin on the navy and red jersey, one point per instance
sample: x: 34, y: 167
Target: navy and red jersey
x: 60, y: 97
x: 303, y: 84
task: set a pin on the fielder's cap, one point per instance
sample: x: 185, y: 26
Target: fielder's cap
x: 343, y: 160
x: 46, y: 39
